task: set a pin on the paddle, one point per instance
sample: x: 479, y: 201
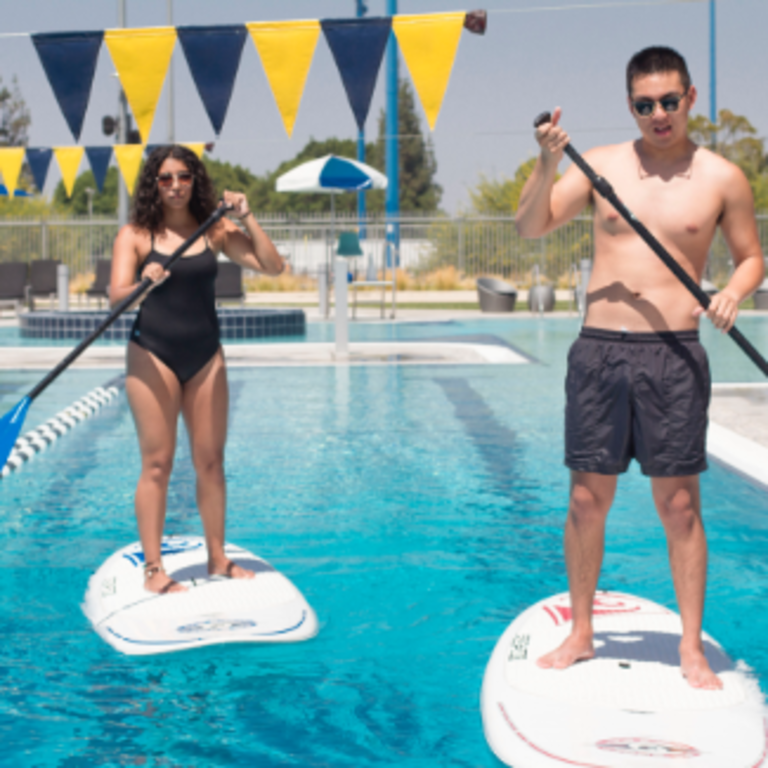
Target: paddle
x: 11, y: 423
x: 606, y: 190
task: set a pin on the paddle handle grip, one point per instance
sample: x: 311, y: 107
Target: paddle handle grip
x: 134, y: 296
x: 603, y: 187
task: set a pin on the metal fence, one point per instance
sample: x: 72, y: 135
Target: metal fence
x: 478, y: 245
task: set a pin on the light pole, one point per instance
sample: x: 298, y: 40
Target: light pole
x: 392, y: 156
x: 712, y: 71
x: 90, y: 192
x: 362, y: 9
x: 171, y: 125
x: 122, y: 134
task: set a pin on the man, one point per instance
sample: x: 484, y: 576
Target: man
x: 638, y: 380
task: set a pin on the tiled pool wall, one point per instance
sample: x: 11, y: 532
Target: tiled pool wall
x: 234, y: 324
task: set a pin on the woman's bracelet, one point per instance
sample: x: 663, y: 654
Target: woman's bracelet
x: 243, y: 218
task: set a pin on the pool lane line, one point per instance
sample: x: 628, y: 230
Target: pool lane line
x: 37, y: 440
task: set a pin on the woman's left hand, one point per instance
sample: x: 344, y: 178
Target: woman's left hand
x: 239, y: 202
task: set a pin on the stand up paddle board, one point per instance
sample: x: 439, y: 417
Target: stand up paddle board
x: 214, y: 609
x: 629, y: 707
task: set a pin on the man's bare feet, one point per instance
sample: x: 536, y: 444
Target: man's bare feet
x: 158, y: 581
x: 230, y: 569
x: 696, y: 670
x: 574, y: 648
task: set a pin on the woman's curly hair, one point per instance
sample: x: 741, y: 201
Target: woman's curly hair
x: 147, y: 210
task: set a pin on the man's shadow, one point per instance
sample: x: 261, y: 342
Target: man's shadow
x: 659, y: 647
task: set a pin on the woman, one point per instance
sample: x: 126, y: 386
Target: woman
x: 175, y: 361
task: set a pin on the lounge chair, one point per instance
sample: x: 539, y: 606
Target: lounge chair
x: 42, y: 281
x: 100, y: 287
x: 229, y: 282
x: 13, y: 283
x: 495, y: 295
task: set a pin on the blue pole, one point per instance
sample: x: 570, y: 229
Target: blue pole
x: 362, y: 9
x: 712, y: 65
x: 392, y: 148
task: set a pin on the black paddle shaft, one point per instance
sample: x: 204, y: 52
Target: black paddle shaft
x: 606, y: 190
x: 136, y: 294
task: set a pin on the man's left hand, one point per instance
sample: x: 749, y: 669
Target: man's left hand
x: 722, y: 311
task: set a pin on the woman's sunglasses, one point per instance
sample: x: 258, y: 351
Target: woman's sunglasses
x: 165, y: 180
x: 646, y: 107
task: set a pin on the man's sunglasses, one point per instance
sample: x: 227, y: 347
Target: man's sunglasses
x: 165, y: 180
x: 646, y: 107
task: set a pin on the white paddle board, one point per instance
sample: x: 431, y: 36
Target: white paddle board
x: 628, y: 707
x: 214, y: 609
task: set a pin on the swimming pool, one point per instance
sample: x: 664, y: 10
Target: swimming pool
x: 419, y: 509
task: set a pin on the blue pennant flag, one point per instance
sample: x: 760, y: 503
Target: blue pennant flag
x: 69, y: 61
x: 150, y: 148
x: 98, y: 158
x: 358, y: 46
x: 213, y: 55
x: 39, y: 158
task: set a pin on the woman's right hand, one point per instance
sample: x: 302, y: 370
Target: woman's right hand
x: 155, y: 273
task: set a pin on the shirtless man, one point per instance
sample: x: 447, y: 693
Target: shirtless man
x: 638, y: 380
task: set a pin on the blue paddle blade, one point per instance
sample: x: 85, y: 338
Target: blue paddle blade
x: 10, y: 426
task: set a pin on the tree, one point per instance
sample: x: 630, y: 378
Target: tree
x: 500, y: 197
x: 14, y: 116
x: 417, y: 166
x: 104, y: 202
x: 735, y: 138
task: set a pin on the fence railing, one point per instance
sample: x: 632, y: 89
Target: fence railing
x: 474, y: 245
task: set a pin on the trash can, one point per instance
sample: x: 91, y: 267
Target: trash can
x: 541, y: 298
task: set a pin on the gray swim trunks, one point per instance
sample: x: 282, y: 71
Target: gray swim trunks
x: 637, y: 395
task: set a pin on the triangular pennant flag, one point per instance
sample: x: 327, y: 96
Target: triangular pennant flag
x: 213, y: 55
x: 286, y: 49
x: 11, y: 160
x: 150, y: 148
x: 128, y: 158
x: 141, y: 58
x: 198, y: 147
x: 429, y: 44
x: 69, y: 159
x: 39, y: 159
x: 98, y: 159
x: 69, y: 60
x: 358, y: 46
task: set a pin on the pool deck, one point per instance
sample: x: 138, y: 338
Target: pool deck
x: 738, y: 433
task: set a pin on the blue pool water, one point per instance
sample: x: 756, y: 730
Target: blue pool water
x: 418, y: 508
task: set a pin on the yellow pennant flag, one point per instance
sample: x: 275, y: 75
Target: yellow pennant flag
x: 198, y: 147
x: 141, y: 57
x: 11, y: 160
x: 128, y: 158
x: 429, y: 43
x: 69, y: 159
x: 286, y: 49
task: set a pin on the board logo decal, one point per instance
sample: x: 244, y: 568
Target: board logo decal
x: 167, y: 547
x: 603, y: 606
x: 648, y: 748
x: 518, y: 648
x: 217, y: 625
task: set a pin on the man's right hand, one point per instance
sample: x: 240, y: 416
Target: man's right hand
x: 552, y: 139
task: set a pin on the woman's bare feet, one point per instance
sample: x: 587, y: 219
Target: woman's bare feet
x: 230, y: 569
x: 158, y: 581
x: 696, y: 670
x: 574, y: 648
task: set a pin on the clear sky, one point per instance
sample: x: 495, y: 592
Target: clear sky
x: 530, y: 59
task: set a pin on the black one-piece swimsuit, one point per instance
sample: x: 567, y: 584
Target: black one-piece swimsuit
x: 177, y: 322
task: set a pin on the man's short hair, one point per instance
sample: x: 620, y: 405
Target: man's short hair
x: 649, y: 61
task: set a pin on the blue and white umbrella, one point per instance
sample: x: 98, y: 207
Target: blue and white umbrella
x: 331, y: 174
x: 16, y: 193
